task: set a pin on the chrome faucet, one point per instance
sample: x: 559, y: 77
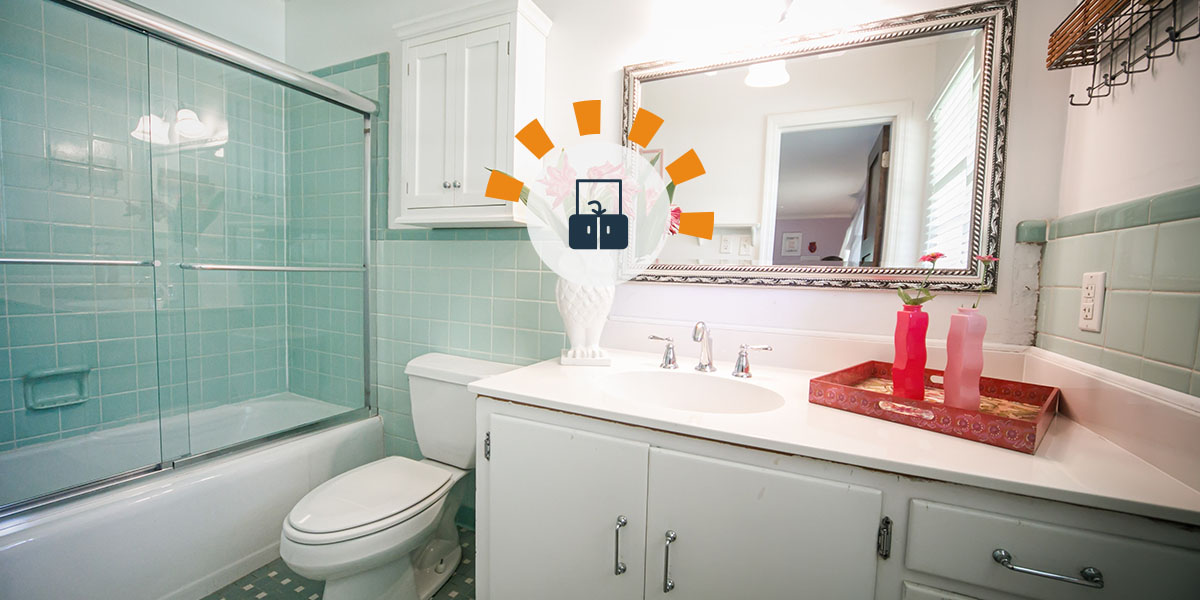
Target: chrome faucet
x: 742, y: 367
x: 701, y: 334
x: 668, y: 359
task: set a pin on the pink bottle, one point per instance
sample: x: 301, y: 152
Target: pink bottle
x: 908, y: 370
x: 964, y: 358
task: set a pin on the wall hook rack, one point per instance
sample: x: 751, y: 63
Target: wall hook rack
x: 1105, y: 34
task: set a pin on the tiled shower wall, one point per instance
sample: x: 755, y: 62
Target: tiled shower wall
x: 1150, y: 249
x: 73, y: 185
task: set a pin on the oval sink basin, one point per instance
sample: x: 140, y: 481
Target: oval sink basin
x: 691, y: 391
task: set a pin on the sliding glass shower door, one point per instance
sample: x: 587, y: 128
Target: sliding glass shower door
x: 182, y: 254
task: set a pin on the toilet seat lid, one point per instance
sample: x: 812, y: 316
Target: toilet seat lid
x: 369, y: 493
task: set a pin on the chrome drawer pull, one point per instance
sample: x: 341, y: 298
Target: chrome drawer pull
x: 668, y: 583
x: 1091, y: 576
x: 619, y: 567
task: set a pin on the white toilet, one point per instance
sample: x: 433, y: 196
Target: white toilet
x: 386, y: 530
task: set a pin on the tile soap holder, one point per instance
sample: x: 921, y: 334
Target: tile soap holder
x: 60, y: 386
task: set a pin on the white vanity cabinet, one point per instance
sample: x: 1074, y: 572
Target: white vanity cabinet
x: 748, y: 523
x: 585, y: 515
x: 468, y: 81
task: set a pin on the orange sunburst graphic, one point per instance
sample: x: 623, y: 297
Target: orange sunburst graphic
x: 646, y: 124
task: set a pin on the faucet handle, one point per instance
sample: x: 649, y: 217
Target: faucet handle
x: 742, y: 367
x: 668, y: 359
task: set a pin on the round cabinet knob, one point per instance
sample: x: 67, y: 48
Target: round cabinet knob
x: 457, y: 184
x: 446, y: 184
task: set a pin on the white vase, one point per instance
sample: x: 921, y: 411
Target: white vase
x: 584, y: 311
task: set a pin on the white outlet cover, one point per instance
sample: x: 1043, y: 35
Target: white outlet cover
x: 1091, y: 301
x: 727, y: 244
x: 745, y: 245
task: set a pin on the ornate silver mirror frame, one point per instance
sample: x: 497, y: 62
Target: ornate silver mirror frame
x: 995, y: 20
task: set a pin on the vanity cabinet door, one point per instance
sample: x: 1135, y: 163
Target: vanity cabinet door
x: 743, y: 531
x: 555, y: 498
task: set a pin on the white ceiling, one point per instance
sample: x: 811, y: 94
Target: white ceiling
x: 822, y: 170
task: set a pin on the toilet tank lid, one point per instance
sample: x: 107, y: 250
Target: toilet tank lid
x: 454, y: 369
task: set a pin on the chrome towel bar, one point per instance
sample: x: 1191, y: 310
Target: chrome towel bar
x: 79, y: 262
x: 283, y: 269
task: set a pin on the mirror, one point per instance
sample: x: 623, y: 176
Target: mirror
x: 840, y: 159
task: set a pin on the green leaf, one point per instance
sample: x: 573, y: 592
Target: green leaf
x: 671, y: 192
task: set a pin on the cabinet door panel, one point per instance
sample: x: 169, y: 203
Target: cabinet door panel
x: 749, y: 532
x: 429, y: 158
x: 483, y: 103
x: 555, y: 495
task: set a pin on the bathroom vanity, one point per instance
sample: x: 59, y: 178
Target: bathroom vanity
x: 633, y: 481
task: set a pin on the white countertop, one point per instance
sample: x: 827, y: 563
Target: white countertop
x: 1073, y: 464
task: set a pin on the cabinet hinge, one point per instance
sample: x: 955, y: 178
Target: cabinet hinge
x: 886, y: 159
x: 883, y: 539
x: 487, y: 446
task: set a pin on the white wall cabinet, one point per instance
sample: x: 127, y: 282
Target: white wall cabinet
x: 578, y: 511
x: 756, y: 524
x: 468, y: 81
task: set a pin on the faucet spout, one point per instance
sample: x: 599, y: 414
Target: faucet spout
x: 700, y: 333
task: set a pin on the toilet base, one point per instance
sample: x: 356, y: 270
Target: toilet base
x: 401, y: 579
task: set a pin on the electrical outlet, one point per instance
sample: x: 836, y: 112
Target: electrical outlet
x: 745, y: 246
x: 727, y: 244
x: 1091, y: 301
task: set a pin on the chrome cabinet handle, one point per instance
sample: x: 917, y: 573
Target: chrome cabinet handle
x: 446, y: 184
x: 1091, y: 576
x: 457, y: 184
x: 618, y: 566
x: 668, y: 583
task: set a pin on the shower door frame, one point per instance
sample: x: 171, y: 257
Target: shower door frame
x: 177, y: 33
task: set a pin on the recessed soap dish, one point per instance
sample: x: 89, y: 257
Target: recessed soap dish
x: 53, y: 388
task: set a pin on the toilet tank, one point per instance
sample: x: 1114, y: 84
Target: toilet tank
x: 443, y: 411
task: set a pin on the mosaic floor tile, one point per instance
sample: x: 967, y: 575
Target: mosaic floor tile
x: 275, y: 581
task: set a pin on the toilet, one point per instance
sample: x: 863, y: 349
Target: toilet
x: 386, y: 530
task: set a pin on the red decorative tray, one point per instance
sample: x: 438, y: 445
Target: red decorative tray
x: 1012, y: 414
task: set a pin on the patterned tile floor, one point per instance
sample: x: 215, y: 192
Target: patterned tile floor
x: 275, y: 581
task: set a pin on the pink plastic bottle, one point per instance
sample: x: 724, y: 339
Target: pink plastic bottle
x: 908, y: 370
x: 964, y: 358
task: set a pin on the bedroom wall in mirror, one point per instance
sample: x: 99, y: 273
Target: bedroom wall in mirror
x: 857, y: 158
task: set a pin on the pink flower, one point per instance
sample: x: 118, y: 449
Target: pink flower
x: 932, y: 257
x: 673, y: 221
x: 560, y: 182
x: 986, y: 258
x: 629, y: 187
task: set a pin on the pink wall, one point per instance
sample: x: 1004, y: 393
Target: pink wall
x: 828, y: 233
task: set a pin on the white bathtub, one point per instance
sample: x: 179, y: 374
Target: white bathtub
x: 182, y: 534
x: 52, y: 466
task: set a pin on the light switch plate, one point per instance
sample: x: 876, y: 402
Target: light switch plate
x: 727, y: 244
x: 745, y: 245
x: 1091, y: 301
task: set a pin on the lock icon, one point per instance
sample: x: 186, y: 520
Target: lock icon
x: 598, y: 230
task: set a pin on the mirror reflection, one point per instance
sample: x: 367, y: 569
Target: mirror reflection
x: 864, y: 157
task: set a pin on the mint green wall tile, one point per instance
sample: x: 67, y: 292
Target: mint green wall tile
x: 1195, y: 388
x: 1062, y: 317
x: 1175, y: 264
x: 1127, y: 364
x: 1085, y: 352
x: 20, y: 41
x: 1077, y: 224
x: 1133, y: 259
x: 22, y: 12
x: 1067, y: 259
x: 31, y: 423
x: 1166, y: 375
x: 1176, y: 205
x: 1123, y: 216
x: 1172, y: 327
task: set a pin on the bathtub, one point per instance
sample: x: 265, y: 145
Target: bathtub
x: 49, y: 467
x: 180, y: 534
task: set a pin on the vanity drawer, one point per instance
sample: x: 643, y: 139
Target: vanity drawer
x: 958, y: 543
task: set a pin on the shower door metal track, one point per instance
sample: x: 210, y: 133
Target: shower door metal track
x: 179, y: 33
